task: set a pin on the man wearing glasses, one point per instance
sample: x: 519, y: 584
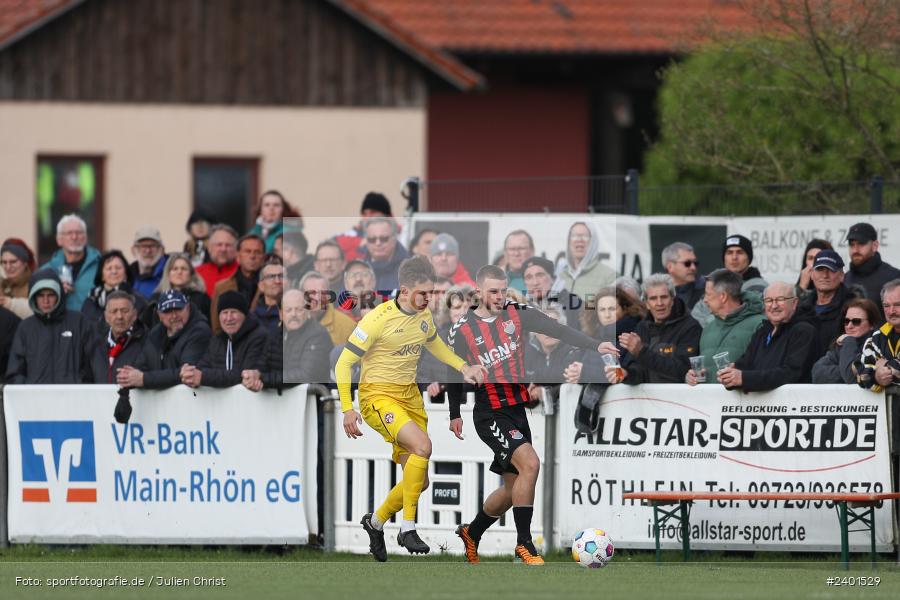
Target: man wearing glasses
x: 881, y: 352
x: 383, y: 252
x: 75, y: 262
x: 681, y: 264
x: 268, y: 301
x: 781, y: 351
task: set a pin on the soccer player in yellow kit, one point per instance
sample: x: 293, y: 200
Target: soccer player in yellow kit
x: 389, y: 341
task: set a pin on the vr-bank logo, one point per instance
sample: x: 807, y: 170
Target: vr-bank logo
x: 58, y: 461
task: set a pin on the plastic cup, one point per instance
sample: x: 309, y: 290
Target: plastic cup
x: 697, y: 368
x: 722, y: 360
x: 612, y: 362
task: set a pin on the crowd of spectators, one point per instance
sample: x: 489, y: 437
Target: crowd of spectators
x: 264, y: 310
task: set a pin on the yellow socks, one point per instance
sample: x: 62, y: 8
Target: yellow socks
x: 413, y: 479
x: 392, y: 504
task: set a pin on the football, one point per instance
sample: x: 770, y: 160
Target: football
x: 592, y: 548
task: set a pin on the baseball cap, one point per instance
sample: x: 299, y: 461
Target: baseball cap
x: 147, y: 232
x: 862, y: 232
x: 544, y: 263
x: 828, y: 259
x: 171, y: 300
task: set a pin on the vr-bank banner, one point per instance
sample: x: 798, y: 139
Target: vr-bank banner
x: 202, y: 466
x: 797, y: 439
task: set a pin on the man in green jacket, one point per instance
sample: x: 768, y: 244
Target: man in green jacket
x: 736, y: 316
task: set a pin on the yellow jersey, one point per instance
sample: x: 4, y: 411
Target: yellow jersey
x: 389, y: 341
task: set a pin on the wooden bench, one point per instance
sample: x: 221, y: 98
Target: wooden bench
x: 845, y: 504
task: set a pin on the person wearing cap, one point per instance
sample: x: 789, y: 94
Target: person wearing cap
x: 17, y: 262
x: 222, y: 263
x: 119, y: 341
x: 76, y: 261
x: 198, y: 227
x: 583, y: 272
x: 181, y: 337
x: 384, y: 252
x: 241, y: 345
x: 245, y: 280
x: 823, y: 306
x: 538, y: 275
x: 52, y: 346
x: 781, y: 351
x: 113, y: 275
x: 445, y: 260
x: 517, y: 248
x: 737, y: 254
x: 352, y: 242
x: 150, y: 260
x: 867, y: 269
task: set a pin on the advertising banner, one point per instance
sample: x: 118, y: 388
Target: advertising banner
x: 797, y: 439
x: 203, y: 466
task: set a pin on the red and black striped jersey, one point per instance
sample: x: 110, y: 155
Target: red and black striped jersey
x: 498, y: 344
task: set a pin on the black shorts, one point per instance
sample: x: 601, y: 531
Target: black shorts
x: 503, y: 430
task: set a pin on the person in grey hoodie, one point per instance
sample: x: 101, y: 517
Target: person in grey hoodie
x: 52, y: 345
x: 737, y: 254
x: 583, y: 273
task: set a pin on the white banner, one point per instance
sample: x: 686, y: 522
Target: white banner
x: 778, y: 242
x: 210, y: 466
x: 798, y: 439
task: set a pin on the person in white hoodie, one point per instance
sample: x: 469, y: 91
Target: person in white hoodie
x: 583, y: 273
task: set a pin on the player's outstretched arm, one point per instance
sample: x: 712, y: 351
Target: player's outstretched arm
x: 343, y: 375
x: 536, y: 321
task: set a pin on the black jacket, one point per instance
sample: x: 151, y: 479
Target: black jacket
x: 222, y: 365
x: 52, y: 348
x: 835, y: 365
x: 691, y: 293
x: 101, y: 370
x: 786, y: 358
x: 295, y: 357
x: 199, y: 301
x: 9, y: 322
x: 161, y: 357
x: 828, y: 322
x: 547, y: 369
x: 668, y: 346
x: 871, y: 276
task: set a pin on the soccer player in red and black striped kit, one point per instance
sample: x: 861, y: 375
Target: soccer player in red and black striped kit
x: 494, y: 334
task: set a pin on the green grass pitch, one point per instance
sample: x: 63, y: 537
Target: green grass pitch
x: 255, y: 574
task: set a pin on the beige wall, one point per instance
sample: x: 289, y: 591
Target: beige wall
x: 323, y: 160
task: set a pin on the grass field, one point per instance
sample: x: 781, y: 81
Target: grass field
x: 304, y: 573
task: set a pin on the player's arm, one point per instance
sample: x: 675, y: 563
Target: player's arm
x: 443, y: 353
x: 536, y: 321
x: 357, y: 344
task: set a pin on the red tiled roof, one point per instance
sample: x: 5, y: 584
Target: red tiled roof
x: 19, y: 17
x: 561, y: 26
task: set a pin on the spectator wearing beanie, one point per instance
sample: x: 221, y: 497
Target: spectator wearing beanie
x: 52, y: 346
x: 181, y: 337
x: 445, y: 260
x: 18, y: 264
x: 737, y: 254
x: 352, y: 242
x: 240, y: 345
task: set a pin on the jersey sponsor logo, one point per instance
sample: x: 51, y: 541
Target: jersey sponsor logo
x: 58, y: 461
x: 497, y: 354
x: 359, y: 333
x: 389, y: 418
x: 408, y: 349
x: 515, y: 434
x: 424, y: 326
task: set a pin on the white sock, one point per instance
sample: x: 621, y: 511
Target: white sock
x: 407, y: 526
x: 376, y: 522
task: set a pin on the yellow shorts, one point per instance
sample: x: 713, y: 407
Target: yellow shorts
x: 387, y: 415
